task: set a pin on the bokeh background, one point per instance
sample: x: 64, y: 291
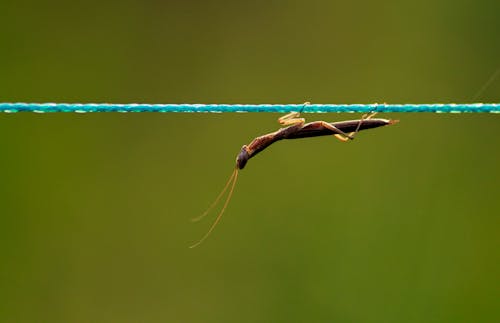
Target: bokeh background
x: 401, y: 225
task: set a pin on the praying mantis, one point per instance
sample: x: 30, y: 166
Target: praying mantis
x: 295, y: 128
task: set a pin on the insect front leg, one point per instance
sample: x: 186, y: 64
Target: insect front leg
x: 291, y: 119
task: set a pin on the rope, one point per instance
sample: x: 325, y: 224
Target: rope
x: 218, y: 108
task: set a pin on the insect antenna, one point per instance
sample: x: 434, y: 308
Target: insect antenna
x: 485, y: 86
x: 198, y: 218
x: 233, y: 178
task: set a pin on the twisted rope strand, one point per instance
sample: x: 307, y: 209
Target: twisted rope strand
x: 219, y: 108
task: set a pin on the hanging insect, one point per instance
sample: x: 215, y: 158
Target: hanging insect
x: 296, y: 128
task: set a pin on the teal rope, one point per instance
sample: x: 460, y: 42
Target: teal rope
x: 309, y: 108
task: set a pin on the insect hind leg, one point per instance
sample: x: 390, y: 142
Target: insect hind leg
x: 364, y: 117
x: 342, y: 136
x: 337, y: 133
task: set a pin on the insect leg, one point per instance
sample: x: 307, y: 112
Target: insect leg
x: 366, y: 116
x: 339, y: 134
x: 292, y: 118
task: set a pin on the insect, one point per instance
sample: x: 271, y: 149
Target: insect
x: 295, y: 128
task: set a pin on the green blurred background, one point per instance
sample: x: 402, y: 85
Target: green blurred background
x: 400, y: 225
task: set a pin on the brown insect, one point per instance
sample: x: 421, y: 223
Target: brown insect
x: 296, y: 128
